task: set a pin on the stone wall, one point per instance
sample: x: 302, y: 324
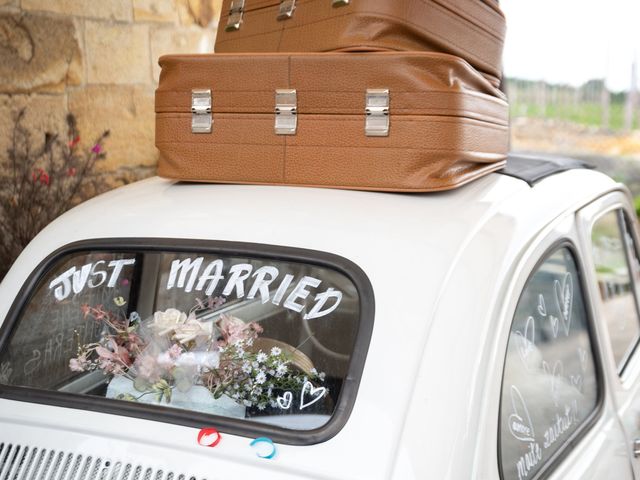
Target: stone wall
x: 98, y: 60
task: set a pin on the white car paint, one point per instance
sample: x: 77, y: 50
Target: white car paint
x: 446, y: 269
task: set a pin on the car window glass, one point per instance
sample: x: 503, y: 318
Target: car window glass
x: 613, y: 254
x: 549, y: 386
x: 238, y: 336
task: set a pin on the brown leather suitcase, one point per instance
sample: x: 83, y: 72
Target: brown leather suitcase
x: 408, y: 121
x: 471, y: 29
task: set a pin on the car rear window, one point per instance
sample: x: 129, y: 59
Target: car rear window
x: 265, y: 339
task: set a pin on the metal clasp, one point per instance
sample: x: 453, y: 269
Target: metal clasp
x: 201, y: 117
x: 286, y: 9
x: 377, y: 112
x: 340, y: 3
x: 235, y: 15
x: 286, y: 112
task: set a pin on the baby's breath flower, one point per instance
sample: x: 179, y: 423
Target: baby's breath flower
x: 261, y: 378
x: 275, y: 351
x: 261, y: 357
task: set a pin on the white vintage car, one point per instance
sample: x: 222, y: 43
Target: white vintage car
x: 169, y: 331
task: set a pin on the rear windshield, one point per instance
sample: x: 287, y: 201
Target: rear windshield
x: 237, y: 336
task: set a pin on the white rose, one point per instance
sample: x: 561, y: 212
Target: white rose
x: 167, y: 321
x: 193, y: 329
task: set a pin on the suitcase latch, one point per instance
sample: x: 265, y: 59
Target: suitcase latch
x: 377, y: 113
x: 235, y: 15
x: 340, y: 3
x: 286, y: 9
x: 201, y: 117
x: 286, y: 112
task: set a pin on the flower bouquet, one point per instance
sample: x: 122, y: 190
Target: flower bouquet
x: 177, y: 359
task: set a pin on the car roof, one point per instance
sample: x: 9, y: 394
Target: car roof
x: 409, y: 245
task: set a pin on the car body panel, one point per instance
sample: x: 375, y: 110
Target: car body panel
x: 446, y: 270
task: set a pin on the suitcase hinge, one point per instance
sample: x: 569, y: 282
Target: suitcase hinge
x: 340, y: 3
x: 201, y: 117
x: 377, y: 113
x: 235, y: 15
x: 286, y: 9
x: 286, y: 112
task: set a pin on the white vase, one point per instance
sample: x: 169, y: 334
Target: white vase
x: 196, y: 399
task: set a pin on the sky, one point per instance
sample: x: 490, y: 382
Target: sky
x: 572, y: 41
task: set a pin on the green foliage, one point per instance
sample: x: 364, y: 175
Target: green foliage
x: 587, y: 114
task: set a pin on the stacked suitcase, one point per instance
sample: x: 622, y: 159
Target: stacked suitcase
x: 396, y: 95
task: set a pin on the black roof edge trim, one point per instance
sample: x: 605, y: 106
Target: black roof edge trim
x: 532, y: 168
x: 246, y: 427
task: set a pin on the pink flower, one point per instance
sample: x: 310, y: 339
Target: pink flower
x: 78, y: 364
x: 234, y: 329
x: 115, y: 354
x: 175, y: 351
x: 74, y: 142
x: 148, y: 368
x: 44, y: 178
x: 167, y: 360
x: 96, y: 148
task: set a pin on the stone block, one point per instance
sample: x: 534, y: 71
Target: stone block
x: 127, y: 111
x: 204, y: 13
x: 39, y: 53
x: 44, y: 113
x: 117, y: 53
x: 155, y: 11
x: 179, y: 40
x: 108, y: 9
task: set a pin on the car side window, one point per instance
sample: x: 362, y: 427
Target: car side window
x: 550, y: 383
x: 616, y: 264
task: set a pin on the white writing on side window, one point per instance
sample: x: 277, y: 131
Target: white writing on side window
x: 91, y: 275
x: 189, y: 274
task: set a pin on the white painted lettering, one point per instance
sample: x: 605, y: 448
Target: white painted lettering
x: 97, y: 273
x: 261, y: 282
x: 183, y: 268
x: 80, y: 278
x: 321, y: 299
x: 117, y: 269
x: 282, y: 289
x: 212, y: 278
x: 62, y: 285
x: 300, y: 293
x: 237, y: 275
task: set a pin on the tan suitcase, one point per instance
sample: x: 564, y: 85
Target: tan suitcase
x: 391, y: 121
x: 471, y: 29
